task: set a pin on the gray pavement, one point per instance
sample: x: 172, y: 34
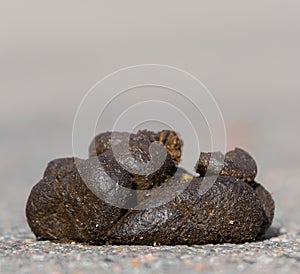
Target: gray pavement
x: 278, y: 254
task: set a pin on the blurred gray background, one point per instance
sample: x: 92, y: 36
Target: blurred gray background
x: 52, y: 52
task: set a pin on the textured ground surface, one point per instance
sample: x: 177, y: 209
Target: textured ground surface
x: 278, y: 254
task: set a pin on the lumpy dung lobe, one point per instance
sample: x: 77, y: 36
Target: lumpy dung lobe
x: 236, y: 163
x: 75, y: 200
x: 169, y: 138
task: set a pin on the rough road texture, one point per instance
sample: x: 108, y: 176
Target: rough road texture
x: 279, y: 254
